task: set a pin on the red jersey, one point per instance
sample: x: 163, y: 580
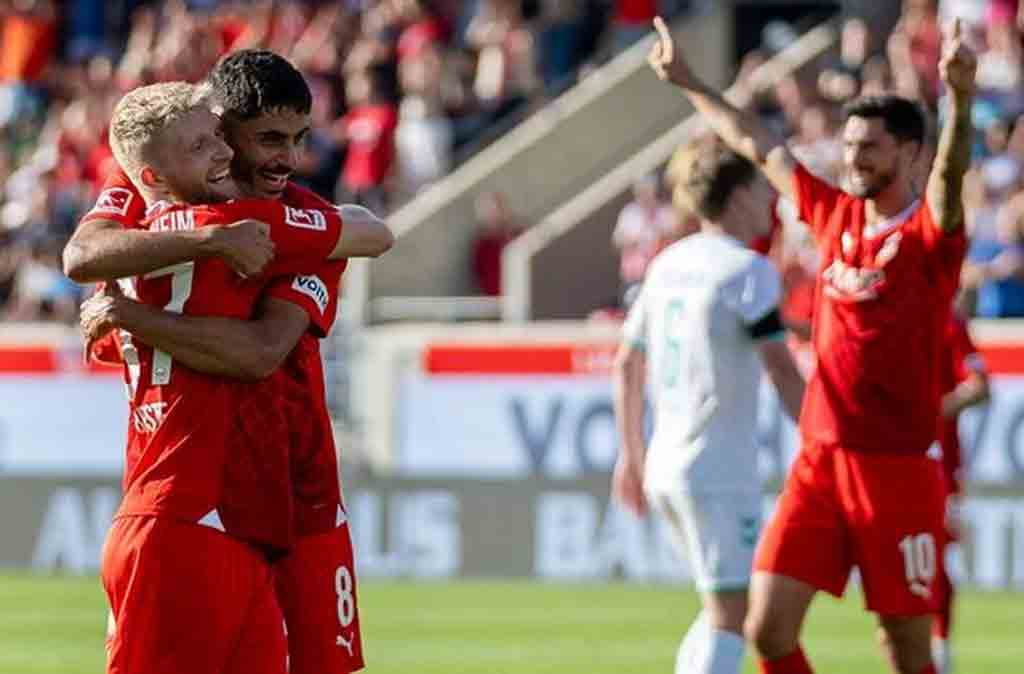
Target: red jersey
x: 314, y: 457
x: 188, y: 456
x: 371, y: 145
x: 298, y: 385
x: 960, y: 358
x: 880, y: 309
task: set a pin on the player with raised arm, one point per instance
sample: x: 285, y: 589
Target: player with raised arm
x: 706, y: 320
x: 964, y: 383
x: 862, y: 490
x: 265, y: 105
x: 185, y: 486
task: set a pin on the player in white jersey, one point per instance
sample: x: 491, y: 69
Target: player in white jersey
x: 706, y: 320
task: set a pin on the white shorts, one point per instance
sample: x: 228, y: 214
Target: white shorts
x: 717, y: 532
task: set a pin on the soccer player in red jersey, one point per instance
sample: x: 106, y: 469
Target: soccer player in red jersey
x: 182, y: 479
x: 862, y: 491
x: 963, y: 380
x: 264, y: 105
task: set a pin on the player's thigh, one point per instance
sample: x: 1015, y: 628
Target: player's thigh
x: 718, y: 531
x: 261, y: 646
x: 178, y: 592
x: 898, y: 534
x: 316, y: 588
x: 807, y: 538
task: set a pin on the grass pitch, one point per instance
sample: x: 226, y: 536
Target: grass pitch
x: 53, y: 624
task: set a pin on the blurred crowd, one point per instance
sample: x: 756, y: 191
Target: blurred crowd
x: 402, y: 90
x: 806, y: 108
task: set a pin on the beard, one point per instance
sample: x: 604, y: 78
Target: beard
x: 870, y: 188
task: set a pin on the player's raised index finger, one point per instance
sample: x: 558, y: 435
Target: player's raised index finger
x: 665, y: 35
x: 954, y: 29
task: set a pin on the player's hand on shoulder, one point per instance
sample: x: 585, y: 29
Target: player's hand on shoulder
x: 244, y: 245
x: 666, y: 58
x: 959, y: 62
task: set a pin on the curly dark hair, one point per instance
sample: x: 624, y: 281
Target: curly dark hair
x: 250, y: 82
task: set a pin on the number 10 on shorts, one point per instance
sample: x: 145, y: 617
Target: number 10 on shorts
x: 919, y: 562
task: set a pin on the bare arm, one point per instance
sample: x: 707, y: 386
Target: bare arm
x: 970, y: 392
x: 782, y: 370
x: 363, y: 234
x: 103, y: 249
x: 953, y: 157
x: 742, y: 131
x: 215, y: 345
x: 629, y: 373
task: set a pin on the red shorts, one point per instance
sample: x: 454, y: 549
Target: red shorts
x: 316, y: 586
x: 883, y: 513
x: 188, y: 598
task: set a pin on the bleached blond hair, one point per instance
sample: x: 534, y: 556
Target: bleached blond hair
x: 142, y: 116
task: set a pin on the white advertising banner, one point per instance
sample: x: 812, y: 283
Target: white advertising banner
x: 563, y: 426
x: 62, y: 424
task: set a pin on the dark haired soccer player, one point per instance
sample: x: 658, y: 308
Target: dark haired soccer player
x: 862, y: 490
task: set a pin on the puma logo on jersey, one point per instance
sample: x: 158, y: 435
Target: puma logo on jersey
x: 843, y: 281
x: 305, y: 218
x: 175, y: 221
x: 114, y: 200
x: 347, y: 643
x: 313, y: 288
x: 148, y: 417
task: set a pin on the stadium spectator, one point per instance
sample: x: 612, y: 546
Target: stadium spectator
x: 642, y: 225
x: 368, y: 130
x: 498, y: 228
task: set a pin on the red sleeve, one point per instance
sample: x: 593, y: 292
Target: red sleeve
x: 303, y: 237
x: 815, y: 199
x: 317, y: 293
x: 119, y: 201
x: 945, y: 251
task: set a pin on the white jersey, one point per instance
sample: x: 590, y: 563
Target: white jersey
x: 694, y: 317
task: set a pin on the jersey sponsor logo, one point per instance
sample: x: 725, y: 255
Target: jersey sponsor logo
x: 148, y: 417
x: 305, y: 218
x: 854, y: 284
x: 174, y: 221
x: 313, y: 288
x: 889, y: 249
x: 114, y: 200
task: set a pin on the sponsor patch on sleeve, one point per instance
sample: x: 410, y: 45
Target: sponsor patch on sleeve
x: 315, y: 289
x: 305, y: 218
x: 114, y: 200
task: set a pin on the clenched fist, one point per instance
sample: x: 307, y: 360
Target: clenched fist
x: 245, y: 246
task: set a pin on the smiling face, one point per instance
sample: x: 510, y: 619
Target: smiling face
x: 873, y: 159
x: 193, y: 160
x: 267, y: 150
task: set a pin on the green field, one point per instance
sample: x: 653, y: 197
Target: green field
x: 55, y: 625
